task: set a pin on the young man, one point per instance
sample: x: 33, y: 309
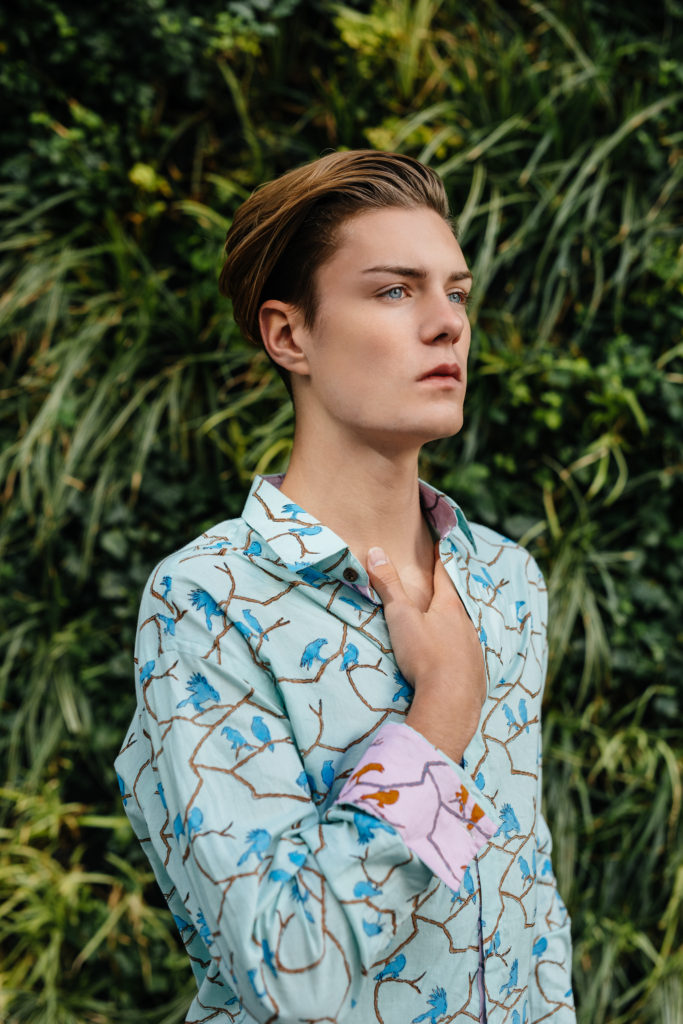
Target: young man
x: 334, y: 766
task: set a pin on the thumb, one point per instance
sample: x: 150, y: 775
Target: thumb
x: 385, y: 579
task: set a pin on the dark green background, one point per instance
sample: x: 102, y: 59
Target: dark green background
x: 132, y: 416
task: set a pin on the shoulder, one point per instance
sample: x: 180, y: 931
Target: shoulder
x: 186, y: 595
x: 506, y: 558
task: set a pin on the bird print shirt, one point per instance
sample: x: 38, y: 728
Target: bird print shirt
x: 322, y: 860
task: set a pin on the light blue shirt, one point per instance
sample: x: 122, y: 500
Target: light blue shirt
x: 321, y: 859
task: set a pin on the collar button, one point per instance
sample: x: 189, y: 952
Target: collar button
x: 350, y: 575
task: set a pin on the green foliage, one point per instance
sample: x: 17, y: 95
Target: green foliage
x: 133, y: 416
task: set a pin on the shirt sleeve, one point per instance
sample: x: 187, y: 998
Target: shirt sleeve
x: 550, y: 984
x: 277, y: 886
x: 416, y: 789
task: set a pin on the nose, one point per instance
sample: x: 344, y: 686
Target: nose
x: 444, y: 320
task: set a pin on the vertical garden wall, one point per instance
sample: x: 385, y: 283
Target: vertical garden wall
x: 132, y: 415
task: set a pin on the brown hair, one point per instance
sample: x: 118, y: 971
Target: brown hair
x: 289, y: 227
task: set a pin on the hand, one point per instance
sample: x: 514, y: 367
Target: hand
x: 438, y: 652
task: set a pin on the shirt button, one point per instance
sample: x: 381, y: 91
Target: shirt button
x: 350, y: 575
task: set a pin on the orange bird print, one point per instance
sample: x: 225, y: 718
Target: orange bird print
x: 386, y: 796
x: 374, y: 767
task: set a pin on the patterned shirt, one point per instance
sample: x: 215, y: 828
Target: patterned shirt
x: 322, y: 860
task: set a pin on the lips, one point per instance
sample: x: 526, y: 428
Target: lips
x: 444, y: 370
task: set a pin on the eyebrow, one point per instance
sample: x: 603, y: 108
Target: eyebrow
x: 416, y: 272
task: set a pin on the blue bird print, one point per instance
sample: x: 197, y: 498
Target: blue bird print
x: 350, y: 657
x: 518, y: 610
x: 161, y: 795
x: 484, y: 579
x: 539, y: 946
x: 483, y: 638
x: 372, y: 927
x: 168, y: 623
x: 261, y: 731
x: 494, y: 945
x: 306, y: 781
x: 297, y: 859
x: 510, y: 716
x: 312, y: 652
x: 244, y: 630
x: 251, y: 974
x: 268, y: 957
x: 524, y: 868
x: 523, y: 714
x: 367, y: 826
x: 204, y: 931
x: 405, y: 689
x: 178, y: 827
x: 201, y: 599
x: 301, y: 899
x: 293, y: 510
x: 312, y: 576
x: 354, y: 604
x: 236, y: 738
x: 547, y: 868
x: 251, y: 619
x: 194, y: 821
x: 146, y: 671
x: 307, y: 531
x: 181, y: 923
x: 479, y: 781
x: 508, y: 986
x: 122, y: 788
x: 216, y: 546
x: 327, y: 774
x: 259, y: 841
x: 253, y: 549
x: 516, y: 1019
x: 366, y: 888
x: 468, y: 886
x: 392, y: 969
x: 166, y: 583
x: 508, y: 822
x: 280, y: 875
x: 200, y: 691
x: 438, y: 1007
x: 468, y: 883
x: 464, y: 526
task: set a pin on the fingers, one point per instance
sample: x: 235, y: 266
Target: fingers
x: 384, y: 577
x: 399, y: 611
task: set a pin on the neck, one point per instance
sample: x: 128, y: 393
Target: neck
x: 368, y: 496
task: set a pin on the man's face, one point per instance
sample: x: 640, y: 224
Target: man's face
x: 386, y: 360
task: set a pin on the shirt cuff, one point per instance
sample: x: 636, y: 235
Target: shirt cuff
x: 416, y: 789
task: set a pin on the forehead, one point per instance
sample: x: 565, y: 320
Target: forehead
x: 413, y: 236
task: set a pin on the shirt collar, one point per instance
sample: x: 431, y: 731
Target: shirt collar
x: 308, y: 547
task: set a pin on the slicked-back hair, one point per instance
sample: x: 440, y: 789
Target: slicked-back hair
x: 289, y: 227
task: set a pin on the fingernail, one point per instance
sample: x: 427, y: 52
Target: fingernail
x: 376, y: 557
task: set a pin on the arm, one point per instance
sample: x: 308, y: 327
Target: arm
x: 550, y: 984
x: 277, y: 887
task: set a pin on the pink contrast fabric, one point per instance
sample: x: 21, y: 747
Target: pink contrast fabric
x: 412, y: 786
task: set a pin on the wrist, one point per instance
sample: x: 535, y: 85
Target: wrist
x: 449, y: 732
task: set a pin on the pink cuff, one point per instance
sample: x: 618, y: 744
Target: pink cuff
x: 411, y: 785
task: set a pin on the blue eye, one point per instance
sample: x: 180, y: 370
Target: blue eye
x: 458, y: 297
x: 397, y: 292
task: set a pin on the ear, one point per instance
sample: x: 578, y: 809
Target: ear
x: 281, y: 326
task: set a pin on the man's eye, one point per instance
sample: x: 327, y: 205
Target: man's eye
x: 397, y: 292
x: 458, y: 297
